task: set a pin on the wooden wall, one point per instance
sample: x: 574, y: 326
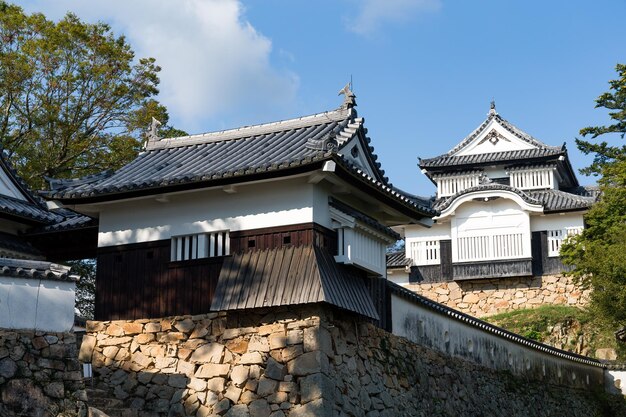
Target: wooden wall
x: 276, y: 237
x: 139, y: 281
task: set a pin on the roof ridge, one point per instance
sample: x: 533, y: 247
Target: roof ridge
x: 251, y: 130
x: 505, y: 124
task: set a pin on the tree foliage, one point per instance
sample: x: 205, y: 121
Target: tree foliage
x: 615, y: 102
x: 73, y: 98
x: 85, y: 287
x: 598, y: 253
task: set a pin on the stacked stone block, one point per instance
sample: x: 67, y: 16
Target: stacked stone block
x: 40, y: 375
x: 212, y: 364
x: 485, y: 297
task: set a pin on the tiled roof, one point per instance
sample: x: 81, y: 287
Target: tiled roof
x: 196, y: 161
x: 540, y: 149
x: 363, y: 218
x: 551, y: 200
x: 490, y: 158
x: 506, y: 125
x: 21, y: 268
x: 27, y: 210
x: 398, y: 260
x: 444, y: 203
x: 12, y: 246
x: 289, y: 276
x: 556, y: 200
x: 70, y: 220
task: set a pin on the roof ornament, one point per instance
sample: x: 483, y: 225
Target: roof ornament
x: 152, y: 133
x: 349, y: 99
x: 492, y: 108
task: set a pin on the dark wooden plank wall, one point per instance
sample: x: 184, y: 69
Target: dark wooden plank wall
x: 276, y: 237
x: 542, y: 263
x: 492, y: 269
x: 377, y: 287
x: 435, y: 273
x: 139, y: 281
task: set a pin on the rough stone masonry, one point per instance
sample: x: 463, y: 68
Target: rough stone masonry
x: 304, y: 361
x: 40, y: 374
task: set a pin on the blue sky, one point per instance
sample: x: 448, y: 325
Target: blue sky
x: 424, y: 71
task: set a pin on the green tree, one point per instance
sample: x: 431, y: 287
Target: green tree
x: 615, y: 102
x: 73, y: 98
x: 597, y: 254
x: 85, y: 287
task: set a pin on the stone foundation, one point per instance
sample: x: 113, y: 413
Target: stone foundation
x: 40, y: 375
x: 491, y: 296
x: 304, y: 362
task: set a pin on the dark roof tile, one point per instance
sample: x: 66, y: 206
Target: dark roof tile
x: 489, y: 158
x: 556, y: 200
x: 398, y: 260
x: 22, y: 268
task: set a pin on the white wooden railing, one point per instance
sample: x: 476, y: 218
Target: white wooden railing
x: 532, y: 179
x: 424, y: 252
x: 487, y: 247
x: 447, y: 186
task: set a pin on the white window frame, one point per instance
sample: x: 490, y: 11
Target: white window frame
x: 556, y: 237
x: 200, y: 246
x: 425, y: 252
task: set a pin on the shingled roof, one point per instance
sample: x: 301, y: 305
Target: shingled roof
x: 243, y: 154
x: 289, y: 276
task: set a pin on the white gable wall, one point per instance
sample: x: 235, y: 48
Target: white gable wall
x: 8, y: 188
x: 481, y: 144
x: 359, y: 160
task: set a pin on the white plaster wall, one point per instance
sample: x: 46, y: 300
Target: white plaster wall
x: 616, y: 381
x: 511, y: 142
x: 35, y: 304
x: 250, y: 207
x: 8, y: 188
x: 398, y: 276
x: 438, y: 231
x: 502, y: 216
x: 556, y: 221
x: 453, y: 337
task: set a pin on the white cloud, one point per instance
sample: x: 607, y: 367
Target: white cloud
x: 212, y: 59
x: 372, y: 14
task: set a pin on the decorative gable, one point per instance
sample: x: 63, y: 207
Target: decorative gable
x: 494, y: 138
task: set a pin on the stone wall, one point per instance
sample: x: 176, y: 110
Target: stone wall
x: 40, y: 375
x: 213, y: 364
x: 491, y: 296
x: 304, y: 362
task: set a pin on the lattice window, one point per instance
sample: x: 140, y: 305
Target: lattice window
x: 425, y: 252
x: 447, y: 186
x: 556, y: 238
x: 533, y: 179
x: 202, y: 245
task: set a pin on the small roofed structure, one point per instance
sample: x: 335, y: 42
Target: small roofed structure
x: 505, y: 202
x: 290, y: 212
